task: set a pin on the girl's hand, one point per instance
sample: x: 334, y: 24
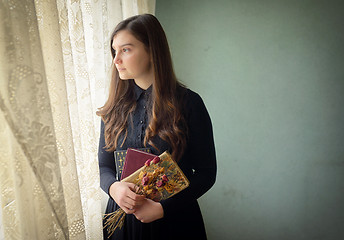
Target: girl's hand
x: 149, y: 211
x: 124, y: 195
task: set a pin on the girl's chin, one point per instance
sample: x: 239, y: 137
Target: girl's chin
x: 124, y: 77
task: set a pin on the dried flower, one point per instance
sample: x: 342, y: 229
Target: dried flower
x: 156, y: 160
x: 164, y: 178
x: 145, y: 180
x: 147, y: 163
x: 159, y: 183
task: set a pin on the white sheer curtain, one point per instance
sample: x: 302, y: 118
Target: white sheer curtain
x: 54, y: 64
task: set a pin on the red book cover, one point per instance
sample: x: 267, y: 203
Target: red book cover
x: 134, y: 160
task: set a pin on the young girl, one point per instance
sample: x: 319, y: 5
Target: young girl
x: 148, y: 108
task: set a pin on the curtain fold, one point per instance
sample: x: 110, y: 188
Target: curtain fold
x: 31, y: 185
x: 54, y: 70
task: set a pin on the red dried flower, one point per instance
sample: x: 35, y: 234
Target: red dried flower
x: 164, y: 178
x: 156, y: 160
x: 145, y: 181
x: 147, y: 163
x: 159, y: 183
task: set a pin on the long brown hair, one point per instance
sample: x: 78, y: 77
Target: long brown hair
x: 166, y: 119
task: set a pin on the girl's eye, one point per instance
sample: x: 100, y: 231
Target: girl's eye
x: 125, y: 50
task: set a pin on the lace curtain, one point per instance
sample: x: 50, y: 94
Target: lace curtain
x: 54, y: 65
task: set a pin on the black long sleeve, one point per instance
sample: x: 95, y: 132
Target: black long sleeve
x: 200, y: 157
x: 106, y: 160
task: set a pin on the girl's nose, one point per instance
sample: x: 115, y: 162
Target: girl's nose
x: 117, y: 59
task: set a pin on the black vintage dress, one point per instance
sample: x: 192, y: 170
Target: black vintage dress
x: 182, y: 216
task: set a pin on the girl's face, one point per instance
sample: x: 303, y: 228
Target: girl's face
x: 132, y: 60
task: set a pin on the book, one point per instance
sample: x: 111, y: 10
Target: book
x: 120, y: 159
x: 134, y: 160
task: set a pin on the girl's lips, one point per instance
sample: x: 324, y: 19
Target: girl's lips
x: 120, y: 69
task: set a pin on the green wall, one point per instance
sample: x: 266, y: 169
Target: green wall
x: 272, y: 76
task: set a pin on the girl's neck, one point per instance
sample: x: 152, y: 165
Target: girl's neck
x: 146, y: 80
x: 143, y: 84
